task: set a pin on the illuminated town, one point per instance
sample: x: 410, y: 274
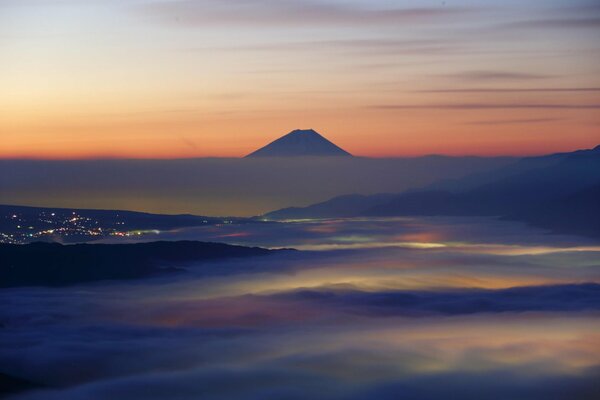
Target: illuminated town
x: 63, y: 225
x: 52, y: 226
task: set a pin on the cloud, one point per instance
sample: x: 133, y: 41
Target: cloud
x: 174, y: 339
x: 189, y: 142
x: 556, y: 23
x: 379, y: 46
x: 515, y: 121
x: 496, y: 76
x: 145, y: 340
x: 287, y: 381
x: 485, y: 106
x: 510, y: 90
x: 259, y: 13
x: 490, y: 385
x: 577, y: 297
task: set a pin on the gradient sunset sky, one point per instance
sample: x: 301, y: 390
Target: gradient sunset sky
x: 220, y: 78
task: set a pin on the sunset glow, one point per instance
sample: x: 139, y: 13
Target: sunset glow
x: 171, y: 79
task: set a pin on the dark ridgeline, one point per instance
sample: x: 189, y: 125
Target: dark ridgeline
x: 53, y: 264
x: 560, y: 192
x: 298, y: 143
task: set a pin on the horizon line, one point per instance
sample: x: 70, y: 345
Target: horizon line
x: 175, y: 158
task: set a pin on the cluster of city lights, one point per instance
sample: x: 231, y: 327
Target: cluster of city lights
x: 20, y: 227
x: 49, y: 225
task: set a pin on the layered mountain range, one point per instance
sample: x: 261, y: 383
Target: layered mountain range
x: 558, y: 192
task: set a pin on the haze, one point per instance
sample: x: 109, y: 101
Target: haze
x: 219, y: 186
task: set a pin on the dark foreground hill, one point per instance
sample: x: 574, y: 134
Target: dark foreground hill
x: 53, y: 264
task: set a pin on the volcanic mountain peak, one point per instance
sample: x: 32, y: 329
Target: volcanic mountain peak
x: 300, y: 142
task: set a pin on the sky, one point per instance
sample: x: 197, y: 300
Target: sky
x: 220, y: 78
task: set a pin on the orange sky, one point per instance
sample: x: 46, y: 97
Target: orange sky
x: 174, y: 79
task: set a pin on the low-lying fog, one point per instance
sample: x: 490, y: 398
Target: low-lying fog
x: 371, y: 308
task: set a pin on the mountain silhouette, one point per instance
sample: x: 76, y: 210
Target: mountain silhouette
x: 300, y: 142
x: 560, y: 192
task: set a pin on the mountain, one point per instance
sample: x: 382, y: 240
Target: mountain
x: 350, y: 205
x: 577, y: 213
x: 300, y: 142
x: 558, y: 192
x: 53, y: 264
x: 514, y: 194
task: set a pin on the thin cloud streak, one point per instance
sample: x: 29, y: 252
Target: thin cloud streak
x: 569, y: 297
x: 558, y: 23
x: 496, y: 76
x: 509, y: 90
x: 267, y: 13
x: 483, y: 106
x: 381, y: 46
x: 515, y: 121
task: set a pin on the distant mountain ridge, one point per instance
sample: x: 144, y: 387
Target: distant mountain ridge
x: 559, y: 192
x: 298, y: 143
